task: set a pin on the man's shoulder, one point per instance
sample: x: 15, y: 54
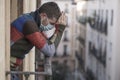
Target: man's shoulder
x: 23, y: 18
x: 27, y: 16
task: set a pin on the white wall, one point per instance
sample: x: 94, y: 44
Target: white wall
x: 5, y: 38
x: 2, y: 39
x: 116, y: 45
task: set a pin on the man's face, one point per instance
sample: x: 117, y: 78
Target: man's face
x: 45, y: 20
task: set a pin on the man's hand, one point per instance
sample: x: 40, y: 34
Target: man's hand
x: 62, y: 19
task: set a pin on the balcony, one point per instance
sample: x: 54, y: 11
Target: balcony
x: 98, y: 54
x: 27, y: 74
x: 90, y: 75
x: 80, y: 60
x: 98, y: 22
x: 82, y: 41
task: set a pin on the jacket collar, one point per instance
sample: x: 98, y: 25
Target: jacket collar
x: 36, y: 17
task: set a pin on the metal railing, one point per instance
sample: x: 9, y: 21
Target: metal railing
x: 27, y: 74
x: 47, y: 71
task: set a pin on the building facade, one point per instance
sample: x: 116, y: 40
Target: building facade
x: 102, y: 40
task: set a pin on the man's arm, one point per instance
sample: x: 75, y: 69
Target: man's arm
x: 56, y: 38
x: 32, y: 34
x: 60, y: 27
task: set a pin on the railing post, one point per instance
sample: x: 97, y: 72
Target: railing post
x: 27, y: 74
x: 48, y: 65
x: 48, y: 68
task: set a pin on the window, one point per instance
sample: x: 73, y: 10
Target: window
x: 106, y: 22
x: 65, y: 50
x: 65, y: 36
x: 66, y: 8
x: 112, y: 15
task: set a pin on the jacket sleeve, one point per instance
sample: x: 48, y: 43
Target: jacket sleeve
x: 32, y: 34
x: 57, y: 35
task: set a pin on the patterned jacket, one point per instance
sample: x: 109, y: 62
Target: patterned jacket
x: 25, y: 34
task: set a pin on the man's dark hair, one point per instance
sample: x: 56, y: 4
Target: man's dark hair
x: 51, y: 9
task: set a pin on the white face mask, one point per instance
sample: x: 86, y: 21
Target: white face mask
x: 48, y: 30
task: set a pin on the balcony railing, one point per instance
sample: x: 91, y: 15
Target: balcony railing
x: 27, y: 74
x: 47, y: 71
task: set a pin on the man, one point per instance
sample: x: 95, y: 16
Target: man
x: 42, y: 29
